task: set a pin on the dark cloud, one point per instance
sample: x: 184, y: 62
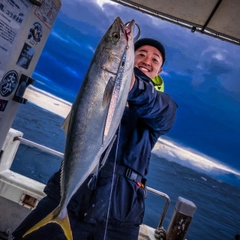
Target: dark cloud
x: 201, y: 73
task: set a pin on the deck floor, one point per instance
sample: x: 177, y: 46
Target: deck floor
x: 146, y: 233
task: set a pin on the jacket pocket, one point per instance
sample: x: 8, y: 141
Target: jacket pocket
x: 127, y: 205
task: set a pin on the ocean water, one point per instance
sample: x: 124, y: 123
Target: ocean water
x: 218, y: 203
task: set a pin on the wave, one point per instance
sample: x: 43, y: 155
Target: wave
x: 168, y: 149
x: 190, y: 158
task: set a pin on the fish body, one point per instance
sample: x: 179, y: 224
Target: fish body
x: 95, y: 115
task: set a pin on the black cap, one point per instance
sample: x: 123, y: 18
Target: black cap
x: 151, y: 42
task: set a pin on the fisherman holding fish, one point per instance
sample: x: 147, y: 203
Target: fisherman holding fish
x: 109, y: 204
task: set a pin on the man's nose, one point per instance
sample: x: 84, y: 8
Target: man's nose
x: 147, y: 60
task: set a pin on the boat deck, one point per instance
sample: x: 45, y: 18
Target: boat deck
x: 146, y: 233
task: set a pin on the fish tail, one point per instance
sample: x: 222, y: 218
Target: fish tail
x: 54, y: 217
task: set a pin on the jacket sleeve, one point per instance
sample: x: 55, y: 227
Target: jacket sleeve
x: 156, y: 109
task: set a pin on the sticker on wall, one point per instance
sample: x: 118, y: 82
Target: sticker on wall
x: 3, y: 104
x: 8, y: 83
x: 35, y: 33
x: 13, y: 15
x: 47, y: 13
x: 26, y: 56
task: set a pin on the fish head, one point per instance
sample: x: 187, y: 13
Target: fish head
x: 115, y: 42
x: 129, y: 31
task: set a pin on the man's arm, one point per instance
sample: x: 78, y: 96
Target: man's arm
x: 156, y: 109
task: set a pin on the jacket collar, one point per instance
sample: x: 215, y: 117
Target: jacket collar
x: 142, y: 75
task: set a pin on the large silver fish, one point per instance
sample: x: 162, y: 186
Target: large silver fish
x: 95, y: 115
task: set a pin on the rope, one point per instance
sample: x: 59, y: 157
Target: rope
x: 110, y: 197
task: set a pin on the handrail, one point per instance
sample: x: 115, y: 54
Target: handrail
x: 39, y: 146
x: 164, y: 195
x: 54, y: 152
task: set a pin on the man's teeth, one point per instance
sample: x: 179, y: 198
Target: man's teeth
x: 144, y: 69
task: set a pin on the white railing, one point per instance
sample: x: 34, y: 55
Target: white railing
x: 54, y: 152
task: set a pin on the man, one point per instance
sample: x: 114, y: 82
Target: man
x: 110, y: 204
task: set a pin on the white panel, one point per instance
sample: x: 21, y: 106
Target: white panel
x: 224, y: 24
x: 227, y: 19
x: 194, y: 11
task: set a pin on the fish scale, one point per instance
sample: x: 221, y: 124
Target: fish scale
x: 95, y: 115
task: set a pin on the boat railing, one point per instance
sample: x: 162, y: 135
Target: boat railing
x: 59, y: 154
x: 39, y: 146
x: 17, y: 189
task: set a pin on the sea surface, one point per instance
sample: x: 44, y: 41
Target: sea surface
x: 218, y: 203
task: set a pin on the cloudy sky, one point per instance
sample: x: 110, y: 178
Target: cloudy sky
x: 201, y: 73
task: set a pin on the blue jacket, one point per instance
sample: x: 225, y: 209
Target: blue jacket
x: 149, y: 115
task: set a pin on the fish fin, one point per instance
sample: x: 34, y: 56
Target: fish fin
x: 54, y: 217
x: 107, y: 95
x: 66, y: 123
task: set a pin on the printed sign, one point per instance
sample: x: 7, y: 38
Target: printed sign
x: 26, y: 56
x: 8, y: 83
x: 47, y: 13
x: 13, y: 15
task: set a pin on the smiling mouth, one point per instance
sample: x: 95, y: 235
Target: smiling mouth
x: 144, y: 69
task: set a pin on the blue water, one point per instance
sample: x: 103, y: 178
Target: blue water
x: 213, y: 131
x: 217, y: 215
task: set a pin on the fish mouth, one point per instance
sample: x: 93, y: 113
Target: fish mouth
x: 129, y: 30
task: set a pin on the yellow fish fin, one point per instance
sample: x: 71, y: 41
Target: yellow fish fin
x: 54, y: 217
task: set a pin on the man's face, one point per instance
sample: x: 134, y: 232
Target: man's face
x: 149, y: 60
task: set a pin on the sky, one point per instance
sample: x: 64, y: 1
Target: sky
x: 201, y: 73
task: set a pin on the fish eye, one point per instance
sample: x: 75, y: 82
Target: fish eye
x: 115, y: 35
